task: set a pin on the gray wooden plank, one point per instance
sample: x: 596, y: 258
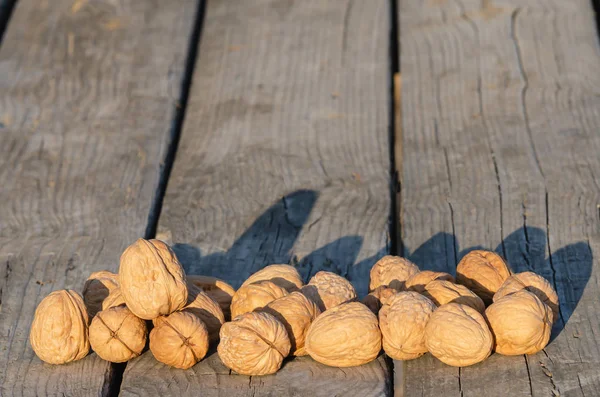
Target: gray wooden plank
x: 87, y: 97
x: 500, y: 151
x: 284, y: 158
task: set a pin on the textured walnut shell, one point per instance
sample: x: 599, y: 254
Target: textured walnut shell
x: 377, y: 298
x: 442, y: 292
x: 179, y: 340
x: 483, y: 272
x: 255, y: 296
x: 59, y: 332
x: 533, y: 283
x: 296, y: 312
x: 285, y: 276
x: 254, y: 344
x: 206, y: 309
x: 117, y: 335
x: 418, y: 281
x: 97, y: 287
x: 520, y: 322
x: 115, y: 298
x: 217, y: 289
x: 392, y: 271
x: 402, y: 321
x: 151, y: 279
x: 344, y: 336
x: 458, y: 335
x: 328, y: 290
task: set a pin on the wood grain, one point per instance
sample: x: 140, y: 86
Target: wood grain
x: 500, y: 139
x: 87, y: 97
x: 284, y: 158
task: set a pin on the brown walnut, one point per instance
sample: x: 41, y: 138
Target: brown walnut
x: 392, y: 271
x: 328, y: 290
x: 206, y: 309
x: 97, y: 287
x: 217, y: 289
x: 255, y: 296
x: 115, y: 298
x: 442, y: 292
x: 378, y: 297
x: 285, y: 276
x: 418, y: 281
x: 483, y: 272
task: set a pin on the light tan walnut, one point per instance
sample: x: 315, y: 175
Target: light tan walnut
x: 418, y: 281
x: 179, y: 340
x: 458, y: 335
x: 377, y: 298
x: 255, y: 296
x: 402, y: 321
x: 59, y: 332
x: 483, y: 272
x: 97, y: 287
x: 254, y: 344
x: 344, y: 336
x: 152, y: 280
x: 442, y: 292
x: 285, y: 276
x: 217, y: 289
x: 328, y: 290
x: 115, y: 298
x: 520, y: 322
x: 392, y: 271
x: 296, y: 312
x: 117, y: 335
x: 533, y: 283
x: 206, y: 309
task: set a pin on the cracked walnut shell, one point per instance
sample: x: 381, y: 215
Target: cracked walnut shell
x: 285, y: 276
x: 115, y: 298
x: 206, y: 310
x: 483, y: 272
x: 255, y: 296
x: 328, y: 290
x: 442, y: 292
x: 458, y: 335
x: 344, y: 336
x: 152, y: 280
x: 97, y: 287
x: 217, y: 289
x: 392, y: 271
x: 418, y: 281
x: 377, y: 298
x: 254, y: 344
x: 59, y: 332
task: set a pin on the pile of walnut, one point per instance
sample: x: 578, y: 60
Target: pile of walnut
x: 275, y: 315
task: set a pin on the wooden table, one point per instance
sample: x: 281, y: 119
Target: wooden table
x: 273, y: 131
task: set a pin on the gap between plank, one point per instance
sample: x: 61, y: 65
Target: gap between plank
x: 6, y: 9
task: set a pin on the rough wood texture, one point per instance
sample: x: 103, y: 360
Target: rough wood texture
x: 87, y: 96
x: 284, y: 158
x: 500, y: 143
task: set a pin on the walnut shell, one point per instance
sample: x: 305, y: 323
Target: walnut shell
x: 458, y: 335
x: 206, y: 309
x: 59, y: 332
x: 296, y: 312
x: 378, y: 297
x: 285, y: 276
x: 255, y: 296
x: 117, y: 335
x: 392, y: 271
x: 535, y: 284
x: 520, y: 322
x: 328, y: 290
x: 115, y: 298
x: 217, y: 289
x: 152, y: 280
x: 179, y: 340
x: 442, y: 292
x: 483, y: 272
x: 254, y: 344
x: 402, y: 321
x: 97, y: 287
x: 344, y: 336
x: 418, y: 281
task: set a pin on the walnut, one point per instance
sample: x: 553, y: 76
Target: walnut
x: 206, y: 309
x: 535, y: 284
x: 179, y: 340
x: 520, y: 322
x: 59, y: 332
x: 285, y: 276
x: 117, y: 335
x: 296, y: 312
x: 402, y: 320
x: 96, y: 289
x: 328, y: 290
x: 392, y: 271
x: 483, y: 272
x: 217, y: 289
x: 254, y: 343
x: 115, y: 298
x: 344, y: 336
x: 418, y: 281
x: 442, y: 292
x: 254, y: 296
x: 458, y: 335
x: 378, y: 297
x: 152, y: 280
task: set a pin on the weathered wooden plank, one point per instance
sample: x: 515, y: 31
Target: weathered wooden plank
x: 87, y: 98
x: 284, y: 157
x: 500, y: 152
